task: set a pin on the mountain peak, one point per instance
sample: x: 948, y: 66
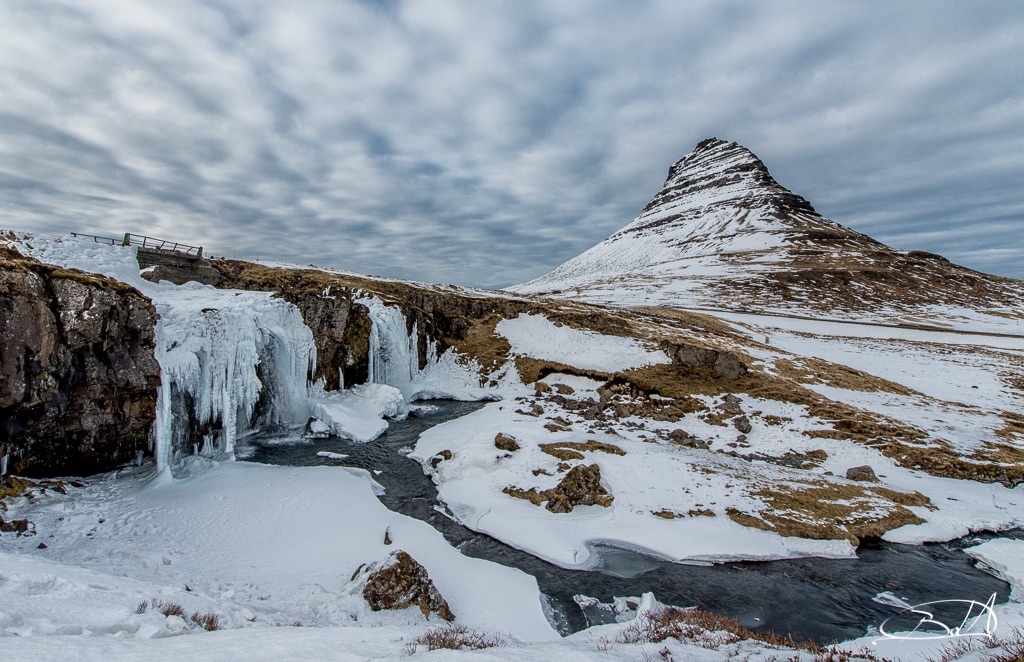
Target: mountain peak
x: 718, y: 170
x: 723, y: 232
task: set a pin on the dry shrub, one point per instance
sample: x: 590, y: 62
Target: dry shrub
x: 208, y: 622
x: 697, y: 627
x: 700, y: 628
x: 169, y: 608
x: 457, y: 637
x: 1009, y: 648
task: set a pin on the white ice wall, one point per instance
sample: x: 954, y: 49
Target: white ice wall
x: 213, y: 345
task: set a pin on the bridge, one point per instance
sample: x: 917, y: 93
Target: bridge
x: 148, y: 244
x: 162, y: 259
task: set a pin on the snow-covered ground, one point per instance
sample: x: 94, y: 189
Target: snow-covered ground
x: 260, y: 546
x: 266, y: 548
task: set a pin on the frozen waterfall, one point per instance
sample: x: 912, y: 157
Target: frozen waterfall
x: 394, y: 357
x: 230, y: 360
x: 394, y: 360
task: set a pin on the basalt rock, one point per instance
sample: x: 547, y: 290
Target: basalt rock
x: 400, y: 582
x: 723, y: 364
x: 506, y: 442
x: 580, y: 487
x: 863, y: 473
x: 78, y: 374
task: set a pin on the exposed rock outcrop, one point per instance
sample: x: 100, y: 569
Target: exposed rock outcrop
x: 506, y: 442
x: 400, y: 582
x: 724, y: 364
x: 581, y: 486
x: 78, y: 375
x: 863, y: 473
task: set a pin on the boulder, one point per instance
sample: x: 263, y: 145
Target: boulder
x: 441, y: 457
x: 862, y: 473
x: 400, y: 582
x: 506, y: 442
x: 742, y: 423
x: 580, y: 487
x: 724, y: 364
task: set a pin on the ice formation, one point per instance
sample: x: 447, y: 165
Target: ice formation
x: 233, y: 360
x: 394, y: 360
x: 230, y: 361
x: 394, y: 356
x: 394, y: 378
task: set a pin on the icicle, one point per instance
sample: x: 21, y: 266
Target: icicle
x: 234, y: 360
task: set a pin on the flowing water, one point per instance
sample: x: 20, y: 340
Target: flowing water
x: 810, y: 598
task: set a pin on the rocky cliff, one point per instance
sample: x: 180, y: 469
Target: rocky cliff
x: 78, y: 376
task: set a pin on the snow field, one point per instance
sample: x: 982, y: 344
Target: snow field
x: 261, y: 546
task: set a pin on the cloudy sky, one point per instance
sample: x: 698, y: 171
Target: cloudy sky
x: 486, y: 142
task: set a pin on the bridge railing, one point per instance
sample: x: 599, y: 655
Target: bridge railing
x: 154, y: 244
x: 98, y: 240
x: 149, y: 243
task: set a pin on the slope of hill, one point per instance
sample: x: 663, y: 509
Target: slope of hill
x: 722, y: 233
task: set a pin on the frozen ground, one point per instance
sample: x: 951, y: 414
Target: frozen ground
x: 265, y: 548
x: 260, y: 546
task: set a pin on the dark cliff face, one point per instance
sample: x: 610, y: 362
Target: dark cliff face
x: 78, y: 375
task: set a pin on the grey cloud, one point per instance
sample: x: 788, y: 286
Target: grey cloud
x: 484, y: 144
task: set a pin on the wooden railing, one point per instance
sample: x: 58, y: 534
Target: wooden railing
x: 149, y: 243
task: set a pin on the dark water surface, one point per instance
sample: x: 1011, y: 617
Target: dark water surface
x: 811, y: 598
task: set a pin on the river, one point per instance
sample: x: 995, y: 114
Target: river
x: 810, y: 598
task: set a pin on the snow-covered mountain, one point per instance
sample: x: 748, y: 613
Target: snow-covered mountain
x: 722, y: 233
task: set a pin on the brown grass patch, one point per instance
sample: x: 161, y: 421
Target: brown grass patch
x: 810, y: 370
x: 573, y: 450
x: 482, y: 342
x: 1001, y: 453
x: 1013, y: 428
x: 11, y: 488
x: 831, y: 511
x: 702, y: 324
x: 1014, y: 381
x: 531, y: 495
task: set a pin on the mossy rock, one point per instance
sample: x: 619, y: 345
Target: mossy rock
x: 400, y: 582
